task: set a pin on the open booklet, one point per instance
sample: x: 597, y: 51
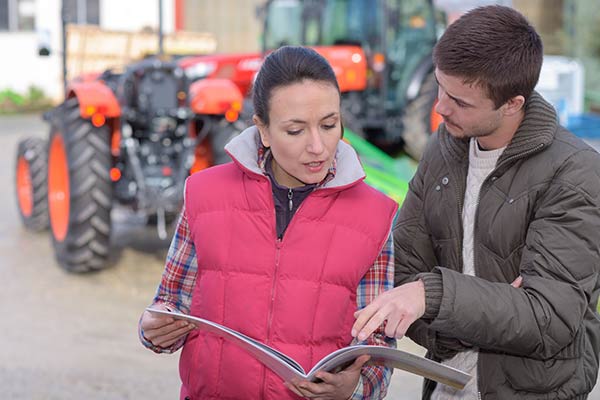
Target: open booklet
x: 288, y: 369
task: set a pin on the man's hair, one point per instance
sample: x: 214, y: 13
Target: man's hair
x: 286, y: 66
x: 494, y: 47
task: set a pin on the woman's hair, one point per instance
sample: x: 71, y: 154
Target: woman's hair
x: 286, y: 66
x: 494, y: 47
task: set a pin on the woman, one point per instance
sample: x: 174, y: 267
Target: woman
x: 283, y: 245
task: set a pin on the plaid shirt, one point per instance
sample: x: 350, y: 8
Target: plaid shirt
x: 179, y: 278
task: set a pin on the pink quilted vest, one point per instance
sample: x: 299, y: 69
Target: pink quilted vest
x: 297, y: 294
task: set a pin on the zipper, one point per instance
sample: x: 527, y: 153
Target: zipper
x: 475, y: 218
x: 460, y: 195
x: 475, y: 271
x: 278, y: 243
x: 272, y: 295
x: 485, y: 185
x: 278, y: 246
x: 270, y: 314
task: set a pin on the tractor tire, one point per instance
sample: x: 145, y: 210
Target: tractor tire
x: 31, y: 184
x: 417, y: 119
x: 79, y: 190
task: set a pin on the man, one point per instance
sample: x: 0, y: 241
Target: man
x: 497, y: 243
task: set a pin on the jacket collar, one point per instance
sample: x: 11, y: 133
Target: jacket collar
x: 243, y: 149
x: 535, y: 132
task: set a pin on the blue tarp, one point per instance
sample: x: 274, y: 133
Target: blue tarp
x: 586, y: 126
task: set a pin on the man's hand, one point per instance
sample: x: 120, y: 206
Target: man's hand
x: 338, y: 386
x: 400, y: 307
x: 162, y: 330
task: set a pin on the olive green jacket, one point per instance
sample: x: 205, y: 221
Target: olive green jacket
x: 538, y: 217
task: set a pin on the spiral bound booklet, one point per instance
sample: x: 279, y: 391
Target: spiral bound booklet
x: 287, y: 368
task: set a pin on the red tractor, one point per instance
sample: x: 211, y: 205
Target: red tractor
x: 119, y: 139
x: 349, y: 64
x: 130, y: 139
x: 380, y: 51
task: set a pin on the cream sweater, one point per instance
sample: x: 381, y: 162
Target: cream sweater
x: 481, y: 163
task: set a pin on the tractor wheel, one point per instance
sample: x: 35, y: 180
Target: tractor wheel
x: 79, y: 191
x: 419, y: 119
x: 30, y: 182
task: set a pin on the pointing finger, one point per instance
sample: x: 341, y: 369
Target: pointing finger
x: 362, y: 317
x: 371, y: 325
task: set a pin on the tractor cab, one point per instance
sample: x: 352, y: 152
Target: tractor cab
x: 397, y: 38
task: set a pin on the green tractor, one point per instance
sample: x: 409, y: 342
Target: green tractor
x: 380, y: 51
x: 394, y: 106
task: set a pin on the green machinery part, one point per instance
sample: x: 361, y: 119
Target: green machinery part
x: 386, y: 174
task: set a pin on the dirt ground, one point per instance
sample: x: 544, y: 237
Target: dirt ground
x: 68, y: 336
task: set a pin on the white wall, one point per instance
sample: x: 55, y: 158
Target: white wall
x: 233, y: 22
x: 23, y: 67
x: 455, y: 8
x: 133, y: 15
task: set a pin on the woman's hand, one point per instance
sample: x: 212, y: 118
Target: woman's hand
x: 162, y: 330
x: 338, y: 386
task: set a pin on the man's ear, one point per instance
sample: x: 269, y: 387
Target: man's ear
x: 262, y: 130
x: 514, y: 105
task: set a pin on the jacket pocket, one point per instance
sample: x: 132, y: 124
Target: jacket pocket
x: 543, y: 376
x: 526, y: 374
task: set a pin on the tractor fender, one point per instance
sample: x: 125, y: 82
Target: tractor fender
x: 214, y: 96
x: 418, y: 77
x: 95, y: 97
x: 349, y: 64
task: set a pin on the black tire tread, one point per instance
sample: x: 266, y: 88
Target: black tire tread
x: 415, y: 121
x: 87, y: 244
x: 35, y: 152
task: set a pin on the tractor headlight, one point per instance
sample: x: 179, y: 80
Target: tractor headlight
x: 200, y: 70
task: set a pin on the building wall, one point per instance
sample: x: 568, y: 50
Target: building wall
x: 582, y: 29
x: 23, y: 67
x: 547, y: 18
x: 135, y: 15
x: 233, y: 22
x: 455, y: 8
x: 570, y: 28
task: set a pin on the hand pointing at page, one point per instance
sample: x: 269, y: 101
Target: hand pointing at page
x: 400, y: 307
